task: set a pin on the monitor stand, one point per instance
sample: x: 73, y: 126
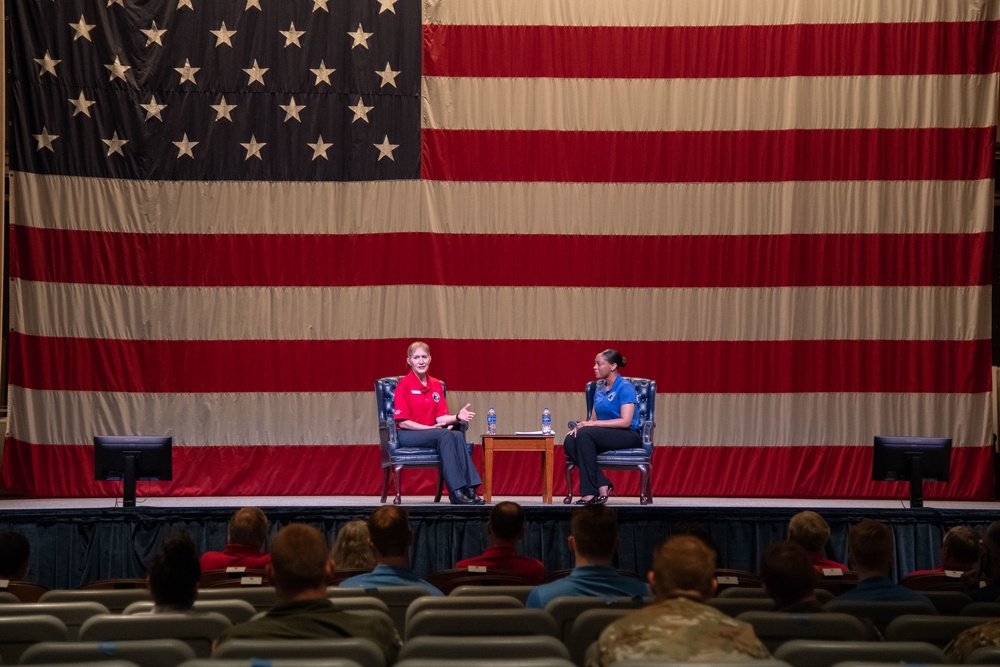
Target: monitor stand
x: 916, y: 481
x: 128, y: 501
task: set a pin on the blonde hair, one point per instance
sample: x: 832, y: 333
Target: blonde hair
x: 351, y: 551
x: 810, y: 530
x: 416, y: 345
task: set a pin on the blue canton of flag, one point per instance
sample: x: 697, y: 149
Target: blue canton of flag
x: 268, y: 90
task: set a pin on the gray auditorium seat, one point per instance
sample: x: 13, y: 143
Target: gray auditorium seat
x: 362, y: 651
x: 73, y: 614
x: 519, y: 592
x: 825, y: 653
x: 498, y: 646
x: 145, y: 653
x: 587, y: 628
x: 949, y: 603
x: 277, y: 662
x: 988, y: 655
x: 397, y: 598
x: 938, y: 630
x: 757, y: 592
x: 736, y: 606
x: 486, y: 662
x: 237, y: 611
x: 745, y: 663
x: 880, y: 613
x: 17, y: 633
x: 262, y: 598
x: 198, y: 631
x: 114, y: 600
x: 454, y: 623
x: 467, y: 603
x: 774, y: 628
x: 565, y: 609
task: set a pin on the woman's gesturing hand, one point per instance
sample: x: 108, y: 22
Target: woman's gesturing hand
x: 465, y: 414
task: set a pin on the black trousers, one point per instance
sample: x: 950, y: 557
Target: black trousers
x: 456, y: 464
x: 582, y: 449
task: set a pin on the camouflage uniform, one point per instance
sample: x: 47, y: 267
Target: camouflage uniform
x: 680, y: 630
x: 978, y: 636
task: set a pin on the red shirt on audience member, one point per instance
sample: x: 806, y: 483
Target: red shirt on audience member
x: 507, y: 558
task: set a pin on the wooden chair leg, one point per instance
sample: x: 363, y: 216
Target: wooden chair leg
x: 569, y: 483
x: 645, y: 497
x: 437, y: 496
x: 395, y: 478
x: 385, y: 483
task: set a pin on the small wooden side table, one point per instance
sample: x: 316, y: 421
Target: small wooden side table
x: 519, y: 443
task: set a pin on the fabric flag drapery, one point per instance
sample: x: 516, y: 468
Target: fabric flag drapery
x: 228, y: 218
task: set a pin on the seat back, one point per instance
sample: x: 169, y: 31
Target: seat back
x: 736, y: 606
x: 739, y: 592
x: 949, y: 603
x: 935, y: 629
x: 729, y: 578
x: 987, y: 655
x: 774, y: 628
x: 237, y: 611
x: 487, y: 662
x: 826, y: 653
x: 24, y: 591
x: 519, y: 592
x: 398, y: 600
x: 262, y: 598
x: 468, y: 604
x: 982, y: 609
x: 565, y: 609
x: 145, y: 653
x: 587, y: 627
x: 837, y: 581
x: 198, y: 631
x: 934, y: 581
x: 114, y: 600
x: 72, y: 614
x: 879, y: 612
x: 17, y: 633
x: 498, y: 646
x: 455, y: 622
x: 278, y: 662
x: 362, y: 651
x: 448, y: 580
x: 385, y: 408
x: 114, y: 584
x: 645, y: 392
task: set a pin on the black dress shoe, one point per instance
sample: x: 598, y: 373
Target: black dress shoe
x: 474, y: 497
x: 459, y: 498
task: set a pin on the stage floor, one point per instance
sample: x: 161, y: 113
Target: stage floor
x: 623, y: 503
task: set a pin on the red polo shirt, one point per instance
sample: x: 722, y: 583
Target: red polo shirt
x: 418, y: 403
x: 506, y: 558
x: 820, y: 563
x: 235, y: 555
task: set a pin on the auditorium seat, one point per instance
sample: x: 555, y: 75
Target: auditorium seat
x: 982, y: 609
x: 739, y: 592
x: 114, y: 600
x: 639, y: 458
x: 498, y: 646
x: 454, y: 623
x: 774, y: 628
x: 237, y: 611
x: 936, y: 581
x: 395, y: 457
x: 72, y: 614
x: 114, y: 584
x: 468, y: 604
x: 486, y: 661
x: 145, y: 653
x: 587, y: 627
x: 17, y: 633
x: 397, y: 599
x: 277, y: 662
x: 448, y: 580
x: 987, y: 655
x: 262, y: 598
x: 234, y: 576
x: 738, y: 663
x: 519, y: 592
x: 736, y: 606
x: 197, y: 630
x: 23, y: 591
x: 880, y: 613
x: 949, y: 603
x: 826, y: 653
x: 565, y: 609
x: 837, y: 581
x: 6, y: 598
x: 362, y: 651
x: 937, y: 630
x: 729, y: 578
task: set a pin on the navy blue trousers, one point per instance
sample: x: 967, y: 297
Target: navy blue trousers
x: 456, y: 464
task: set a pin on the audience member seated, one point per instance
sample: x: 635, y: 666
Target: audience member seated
x: 976, y: 637
x: 299, y: 567
x: 812, y: 531
x: 679, y: 626
x: 390, y: 539
x: 960, y: 551
x: 505, y: 528
x: 352, y: 549
x: 789, y: 577
x: 173, y: 575
x: 593, y: 541
x: 990, y: 567
x: 14, y: 554
x: 245, y: 543
x: 869, y: 547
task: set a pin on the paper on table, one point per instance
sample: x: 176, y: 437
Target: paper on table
x: 528, y: 433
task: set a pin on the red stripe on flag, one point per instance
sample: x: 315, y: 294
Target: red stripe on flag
x: 774, y: 472
x: 77, y: 364
x: 710, y: 51
x: 708, y: 157
x: 267, y: 260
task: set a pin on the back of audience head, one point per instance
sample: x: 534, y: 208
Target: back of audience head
x: 683, y: 565
x: 701, y: 532
x: 300, y: 562
x: 174, y: 573
x: 810, y: 530
x: 352, y: 549
x: 961, y: 548
x: 14, y: 554
x: 788, y: 573
x: 248, y: 527
x: 506, y: 522
x: 389, y: 528
x: 594, y: 534
x: 870, y: 548
x: 991, y: 550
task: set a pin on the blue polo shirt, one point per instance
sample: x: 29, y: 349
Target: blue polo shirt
x: 881, y: 589
x: 388, y: 575
x: 588, y: 580
x: 608, y: 403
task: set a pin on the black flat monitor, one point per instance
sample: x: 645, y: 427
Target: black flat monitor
x: 132, y: 457
x: 898, y: 459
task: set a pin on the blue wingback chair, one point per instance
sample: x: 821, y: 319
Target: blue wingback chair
x: 627, y: 459
x: 394, y: 457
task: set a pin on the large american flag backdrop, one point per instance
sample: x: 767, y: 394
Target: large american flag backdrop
x: 230, y: 216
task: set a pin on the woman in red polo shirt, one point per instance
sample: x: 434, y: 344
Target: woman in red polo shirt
x: 422, y: 420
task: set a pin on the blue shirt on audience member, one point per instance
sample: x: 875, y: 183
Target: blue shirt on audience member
x: 588, y: 580
x: 388, y: 575
x: 881, y: 589
x: 608, y: 402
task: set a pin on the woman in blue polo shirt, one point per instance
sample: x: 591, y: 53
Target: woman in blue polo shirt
x: 613, y: 424
x: 422, y: 420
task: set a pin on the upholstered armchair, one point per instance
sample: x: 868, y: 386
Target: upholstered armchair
x: 395, y: 457
x: 627, y: 459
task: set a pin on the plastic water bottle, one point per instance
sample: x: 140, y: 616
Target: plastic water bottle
x: 491, y: 422
x: 546, y: 422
